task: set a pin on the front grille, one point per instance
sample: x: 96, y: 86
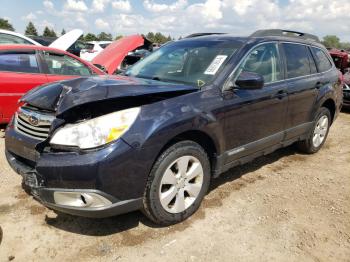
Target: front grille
x: 34, y: 124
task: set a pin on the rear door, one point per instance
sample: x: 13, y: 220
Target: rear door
x: 303, y: 84
x: 60, y: 66
x: 19, y: 72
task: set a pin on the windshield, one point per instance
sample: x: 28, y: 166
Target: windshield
x: 188, y: 62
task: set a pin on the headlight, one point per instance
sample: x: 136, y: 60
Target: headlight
x: 96, y: 132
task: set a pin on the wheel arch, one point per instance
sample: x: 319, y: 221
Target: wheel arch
x: 330, y: 105
x: 199, y: 137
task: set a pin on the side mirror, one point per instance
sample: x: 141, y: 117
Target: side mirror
x: 249, y: 80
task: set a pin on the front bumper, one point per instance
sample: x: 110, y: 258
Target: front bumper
x: 34, y: 182
x: 117, y: 171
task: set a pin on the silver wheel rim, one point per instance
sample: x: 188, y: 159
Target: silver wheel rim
x: 181, y: 184
x: 320, y: 131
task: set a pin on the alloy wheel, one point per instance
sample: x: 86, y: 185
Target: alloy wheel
x: 320, y: 131
x: 181, y: 184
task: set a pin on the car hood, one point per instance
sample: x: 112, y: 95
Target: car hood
x: 112, y: 56
x: 68, y: 39
x: 65, y: 95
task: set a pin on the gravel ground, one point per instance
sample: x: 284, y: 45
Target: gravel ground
x: 282, y: 207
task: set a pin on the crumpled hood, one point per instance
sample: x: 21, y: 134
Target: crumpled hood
x: 64, y: 95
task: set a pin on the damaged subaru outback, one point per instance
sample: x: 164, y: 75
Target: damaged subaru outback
x: 153, y: 138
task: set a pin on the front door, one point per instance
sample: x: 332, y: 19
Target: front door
x: 255, y: 119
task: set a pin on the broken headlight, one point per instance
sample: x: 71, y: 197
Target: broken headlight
x: 97, y: 131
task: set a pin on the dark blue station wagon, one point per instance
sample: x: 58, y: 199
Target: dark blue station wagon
x: 153, y: 138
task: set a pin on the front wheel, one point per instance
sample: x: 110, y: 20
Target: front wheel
x: 177, y: 183
x: 318, y: 134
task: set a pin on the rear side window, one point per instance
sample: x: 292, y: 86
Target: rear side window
x: 322, y: 61
x: 59, y: 64
x: 12, y: 39
x: 297, y: 60
x: 24, y: 63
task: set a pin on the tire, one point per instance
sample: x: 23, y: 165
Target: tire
x: 320, y: 129
x: 168, y: 182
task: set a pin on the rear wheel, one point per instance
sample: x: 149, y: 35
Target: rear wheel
x: 177, y: 183
x: 319, y: 132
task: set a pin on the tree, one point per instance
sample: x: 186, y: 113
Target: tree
x: 118, y: 37
x: 158, y: 37
x: 150, y: 36
x: 63, y: 32
x: 90, y: 37
x: 104, y: 36
x: 31, y: 30
x: 49, y: 32
x: 331, y: 41
x: 5, y: 24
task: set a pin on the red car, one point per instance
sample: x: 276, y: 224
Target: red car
x: 23, y: 67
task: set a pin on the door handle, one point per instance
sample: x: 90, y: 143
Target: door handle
x: 281, y: 94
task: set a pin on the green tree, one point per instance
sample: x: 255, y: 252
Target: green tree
x: 90, y: 37
x: 118, y: 37
x: 49, y: 32
x: 331, y: 41
x: 104, y: 36
x: 63, y: 32
x: 5, y: 24
x: 31, y: 30
x: 150, y: 36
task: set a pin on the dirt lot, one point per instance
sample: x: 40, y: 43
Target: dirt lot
x: 285, y: 207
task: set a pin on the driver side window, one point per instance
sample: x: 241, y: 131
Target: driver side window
x: 263, y: 60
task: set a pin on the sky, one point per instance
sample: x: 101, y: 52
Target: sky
x: 181, y: 17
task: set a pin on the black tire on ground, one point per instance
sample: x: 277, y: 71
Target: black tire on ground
x: 307, y: 145
x: 152, y: 206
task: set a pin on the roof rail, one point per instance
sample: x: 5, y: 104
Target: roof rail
x: 202, y: 34
x: 288, y: 33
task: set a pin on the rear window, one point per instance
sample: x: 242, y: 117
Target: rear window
x: 24, y: 63
x: 298, y: 62
x: 322, y: 61
x: 104, y: 45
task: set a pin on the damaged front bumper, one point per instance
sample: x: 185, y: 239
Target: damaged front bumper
x: 90, y: 184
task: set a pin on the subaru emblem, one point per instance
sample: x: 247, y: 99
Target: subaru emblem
x: 34, y: 121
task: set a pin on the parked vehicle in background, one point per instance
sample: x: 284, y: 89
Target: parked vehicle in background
x: 120, y: 54
x: 341, y: 60
x: 9, y: 37
x: 92, y: 49
x: 154, y: 138
x: 23, y: 67
x: 346, y: 94
x: 74, y: 49
x: 66, y: 42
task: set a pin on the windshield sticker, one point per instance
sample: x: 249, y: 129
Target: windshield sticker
x: 215, y: 65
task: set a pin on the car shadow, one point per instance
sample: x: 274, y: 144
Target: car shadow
x: 121, y: 223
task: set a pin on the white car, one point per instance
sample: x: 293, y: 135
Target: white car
x: 9, y: 37
x: 62, y: 43
x: 92, y: 49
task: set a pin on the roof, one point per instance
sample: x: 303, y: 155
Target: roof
x: 232, y: 37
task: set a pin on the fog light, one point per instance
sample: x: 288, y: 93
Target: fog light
x: 80, y: 199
